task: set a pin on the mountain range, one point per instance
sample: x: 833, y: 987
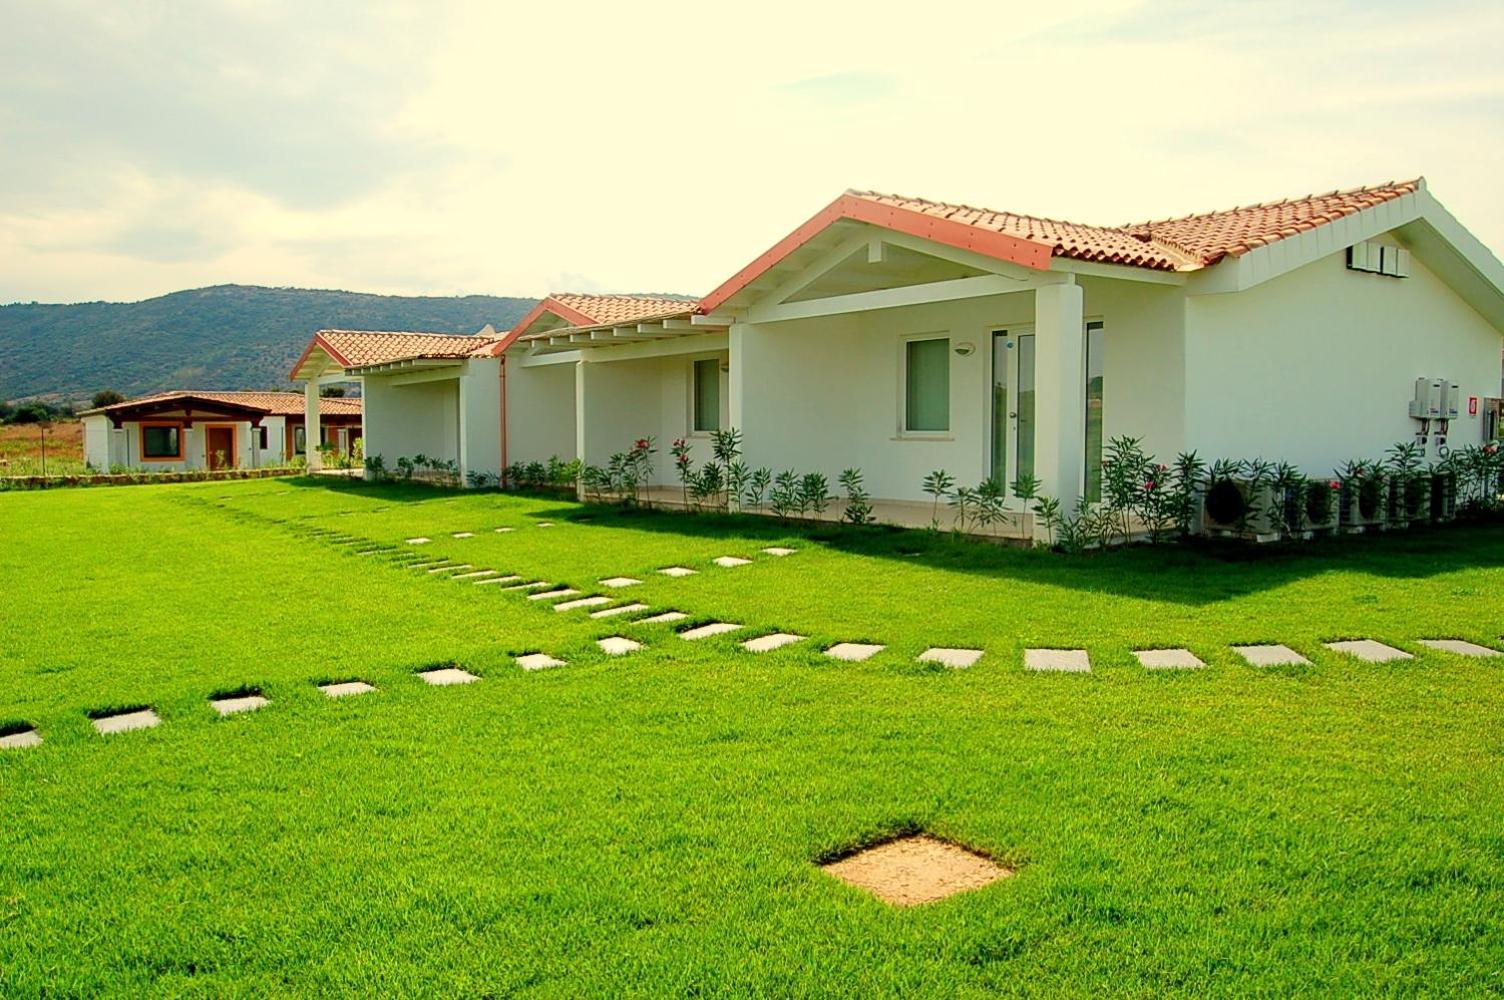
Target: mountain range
x: 222, y: 337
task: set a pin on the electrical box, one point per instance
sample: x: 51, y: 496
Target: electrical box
x: 1452, y: 404
x: 1430, y: 397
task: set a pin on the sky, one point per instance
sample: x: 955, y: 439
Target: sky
x: 507, y: 149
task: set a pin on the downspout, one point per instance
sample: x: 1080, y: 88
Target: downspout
x: 503, y: 377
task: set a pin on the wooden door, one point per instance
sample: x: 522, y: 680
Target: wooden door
x: 219, y: 447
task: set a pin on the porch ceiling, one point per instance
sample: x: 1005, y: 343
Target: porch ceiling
x: 666, y: 328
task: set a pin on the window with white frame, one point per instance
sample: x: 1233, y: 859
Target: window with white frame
x: 706, y: 392
x: 926, y: 408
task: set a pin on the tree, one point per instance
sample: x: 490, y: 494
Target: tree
x: 332, y: 392
x: 106, y: 397
x: 32, y: 413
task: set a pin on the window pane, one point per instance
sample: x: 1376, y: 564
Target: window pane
x: 159, y: 442
x: 299, y: 439
x: 1094, y: 371
x: 707, y: 391
x: 1025, y: 443
x: 927, y: 406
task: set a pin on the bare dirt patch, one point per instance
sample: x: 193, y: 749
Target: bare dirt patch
x: 916, y: 869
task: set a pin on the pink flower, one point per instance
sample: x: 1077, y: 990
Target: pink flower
x: 1336, y: 485
x: 1149, y: 485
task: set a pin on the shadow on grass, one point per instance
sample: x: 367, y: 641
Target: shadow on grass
x: 1197, y: 572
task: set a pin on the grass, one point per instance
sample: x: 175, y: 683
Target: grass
x: 21, y: 449
x: 649, y: 823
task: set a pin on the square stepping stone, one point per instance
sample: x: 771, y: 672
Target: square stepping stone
x: 344, y: 689
x: 1167, y: 659
x: 621, y: 609
x: 239, y: 703
x: 1073, y: 661
x: 1270, y: 655
x: 618, y: 645
x: 21, y: 740
x: 770, y: 642
x: 476, y: 573
x: 463, y: 534
x: 124, y: 722
x: 916, y: 869
x: 553, y: 595
x: 677, y: 571
x: 1369, y: 650
x: 779, y: 550
x: 706, y: 631
x: 1459, y: 646
x: 545, y: 524
x: 503, y: 531
x: 497, y: 579
x: 957, y: 659
x: 448, y: 569
x: 528, y: 586
x: 853, y: 652
x: 730, y: 561
x: 538, y: 661
x: 419, y: 541
x: 620, y: 581
x: 445, y: 676
x: 594, y: 601
x: 664, y: 618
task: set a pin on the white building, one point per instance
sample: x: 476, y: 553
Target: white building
x: 174, y: 431
x: 901, y: 336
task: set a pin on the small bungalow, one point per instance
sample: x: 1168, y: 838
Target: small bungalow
x: 902, y: 335
x: 173, y: 431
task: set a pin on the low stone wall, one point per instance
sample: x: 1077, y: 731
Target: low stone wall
x: 139, y: 478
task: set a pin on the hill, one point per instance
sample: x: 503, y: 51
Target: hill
x: 224, y: 337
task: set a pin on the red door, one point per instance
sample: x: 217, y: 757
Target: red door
x: 219, y: 447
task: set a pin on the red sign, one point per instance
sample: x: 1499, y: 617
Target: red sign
x: 1472, y: 406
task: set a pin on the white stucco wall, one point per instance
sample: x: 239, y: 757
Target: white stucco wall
x: 407, y: 420
x: 540, y: 411
x: 480, y: 417
x: 1318, y: 366
x: 97, y: 442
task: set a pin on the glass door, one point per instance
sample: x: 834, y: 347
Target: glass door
x: 1012, y: 437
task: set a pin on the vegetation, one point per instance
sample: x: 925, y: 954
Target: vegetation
x: 648, y: 824
x: 236, y: 336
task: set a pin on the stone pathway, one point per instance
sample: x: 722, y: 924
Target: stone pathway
x: 618, y: 645
x: 706, y: 631
x: 1369, y: 650
x: 20, y: 740
x: 445, y: 676
x: 770, y: 642
x: 1459, y: 646
x: 419, y: 541
x: 498, y: 579
x: 1071, y: 661
x: 730, y: 562
x: 463, y: 534
x: 677, y: 571
x: 956, y: 659
x: 124, y: 722
x: 620, y: 581
x: 538, y: 661
x: 853, y: 652
x: 344, y: 689
x: 664, y: 618
x: 778, y: 550
x: 1168, y: 659
x: 620, y: 609
x: 239, y: 703
x: 1270, y: 655
x: 583, y: 602
x: 553, y: 595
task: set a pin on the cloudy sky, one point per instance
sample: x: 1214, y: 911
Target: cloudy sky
x: 451, y: 148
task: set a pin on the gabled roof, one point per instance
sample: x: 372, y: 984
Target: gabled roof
x: 578, y: 310
x: 358, y: 348
x: 289, y: 404
x: 1189, y: 243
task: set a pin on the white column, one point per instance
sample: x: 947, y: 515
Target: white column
x: 734, y: 381
x: 1059, y: 392
x: 311, y: 424
x: 581, y: 422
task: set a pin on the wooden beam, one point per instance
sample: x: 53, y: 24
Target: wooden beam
x: 891, y: 298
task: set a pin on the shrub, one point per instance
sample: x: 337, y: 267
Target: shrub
x: 938, y: 484
x: 813, y: 493
x: 757, y: 487
x: 785, y: 495
x: 1317, y: 501
x: 858, y: 502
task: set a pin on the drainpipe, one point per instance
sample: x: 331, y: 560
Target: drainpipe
x: 503, y: 377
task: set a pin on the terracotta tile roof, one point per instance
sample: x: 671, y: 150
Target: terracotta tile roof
x: 1183, y: 244
x: 683, y: 312
x: 609, y: 309
x: 272, y: 403
x: 357, y: 348
x: 1211, y: 236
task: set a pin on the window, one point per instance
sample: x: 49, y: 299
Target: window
x: 299, y: 440
x: 161, y: 441
x: 1094, y: 370
x: 927, y: 385
x: 261, y: 437
x: 707, y: 395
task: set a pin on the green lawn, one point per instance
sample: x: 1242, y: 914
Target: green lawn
x: 647, y: 824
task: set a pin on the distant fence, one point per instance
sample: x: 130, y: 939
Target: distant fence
x: 140, y: 478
